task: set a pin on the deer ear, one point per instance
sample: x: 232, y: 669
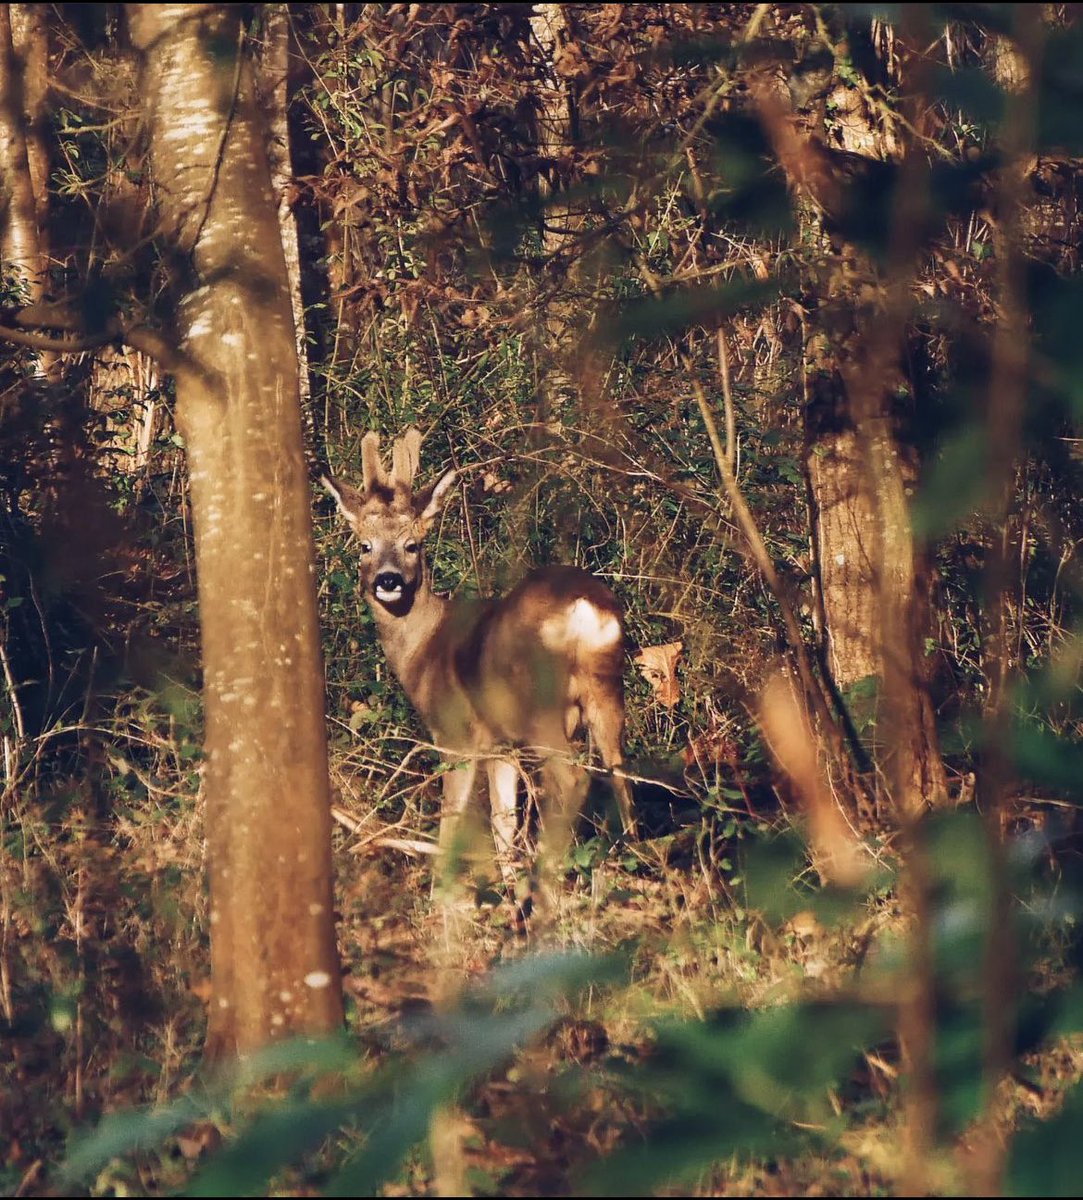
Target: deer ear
x: 345, y: 496
x: 430, y: 504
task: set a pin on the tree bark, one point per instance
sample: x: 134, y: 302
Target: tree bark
x: 870, y: 577
x: 843, y: 520
x: 273, y: 958
x: 274, y: 62
x: 30, y: 40
x: 20, y: 244
x: 870, y: 574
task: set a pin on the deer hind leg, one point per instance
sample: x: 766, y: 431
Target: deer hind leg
x: 604, y: 716
x: 565, y: 788
x: 503, y: 803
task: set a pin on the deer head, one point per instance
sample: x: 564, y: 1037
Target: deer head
x: 390, y: 521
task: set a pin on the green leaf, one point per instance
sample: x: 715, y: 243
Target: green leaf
x: 1046, y: 1158
x: 122, y: 1133
x: 957, y: 484
x: 1047, y: 758
x: 771, y: 867
x: 399, y: 1117
x: 972, y: 90
x: 271, y: 1142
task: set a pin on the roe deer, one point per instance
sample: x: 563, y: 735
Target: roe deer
x: 527, y: 669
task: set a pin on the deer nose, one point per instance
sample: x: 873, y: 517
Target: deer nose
x: 389, y: 581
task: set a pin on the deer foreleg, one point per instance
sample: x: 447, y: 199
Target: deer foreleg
x: 458, y: 786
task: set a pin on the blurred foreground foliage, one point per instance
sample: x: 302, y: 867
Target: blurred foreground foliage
x: 800, y: 1080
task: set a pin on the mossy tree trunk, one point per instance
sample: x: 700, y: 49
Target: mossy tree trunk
x: 273, y: 957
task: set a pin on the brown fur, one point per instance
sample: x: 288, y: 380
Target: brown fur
x: 528, y: 669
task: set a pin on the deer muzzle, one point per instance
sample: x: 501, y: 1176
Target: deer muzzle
x: 389, y: 586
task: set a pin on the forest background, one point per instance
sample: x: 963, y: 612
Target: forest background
x: 764, y: 313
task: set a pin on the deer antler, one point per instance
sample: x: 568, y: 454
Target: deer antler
x: 405, y: 459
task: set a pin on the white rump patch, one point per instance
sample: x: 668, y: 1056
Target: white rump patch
x: 581, y: 623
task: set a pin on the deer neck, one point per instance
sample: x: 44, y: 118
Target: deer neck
x: 407, y: 635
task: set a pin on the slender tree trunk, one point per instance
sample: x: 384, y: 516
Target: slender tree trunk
x: 843, y: 518
x: 556, y: 122
x: 274, y: 964
x: 274, y: 85
x: 563, y: 353
x: 872, y: 583
x: 20, y: 244
x: 30, y: 40
x: 562, y: 318
x: 329, y: 30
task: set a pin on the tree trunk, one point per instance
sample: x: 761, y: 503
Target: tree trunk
x: 843, y: 520
x: 273, y: 958
x: 872, y: 583
x: 329, y: 34
x: 20, y: 245
x: 274, y: 85
x: 870, y: 578
x: 30, y: 40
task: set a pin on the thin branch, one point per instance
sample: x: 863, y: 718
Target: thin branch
x: 42, y: 341
x: 727, y: 401
x: 761, y: 557
x: 139, y: 337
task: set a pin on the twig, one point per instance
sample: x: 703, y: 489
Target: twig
x: 415, y: 847
x: 759, y: 553
x: 9, y: 681
x: 412, y: 846
x: 139, y: 337
x: 29, y: 1177
x: 727, y: 401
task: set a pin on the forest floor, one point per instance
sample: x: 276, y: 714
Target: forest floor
x: 672, y: 909
x: 693, y: 950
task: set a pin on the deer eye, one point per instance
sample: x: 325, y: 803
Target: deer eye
x: 411, y: 547
x: 366, y: 547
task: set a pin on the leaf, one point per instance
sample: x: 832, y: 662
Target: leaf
x: 1049, y: 759
x: 270, y: 1143
x: 972, y: 90
x: 957, y: 484
x: 773, y: 1069
x: 659, y: 665
x: 771, y: 867
x: 123, y: 1133
x: 1046, y: 1158
x: 679, y: 1152
x: 399, y: 1114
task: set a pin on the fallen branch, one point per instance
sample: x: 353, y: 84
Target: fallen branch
x: 416, y: 847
